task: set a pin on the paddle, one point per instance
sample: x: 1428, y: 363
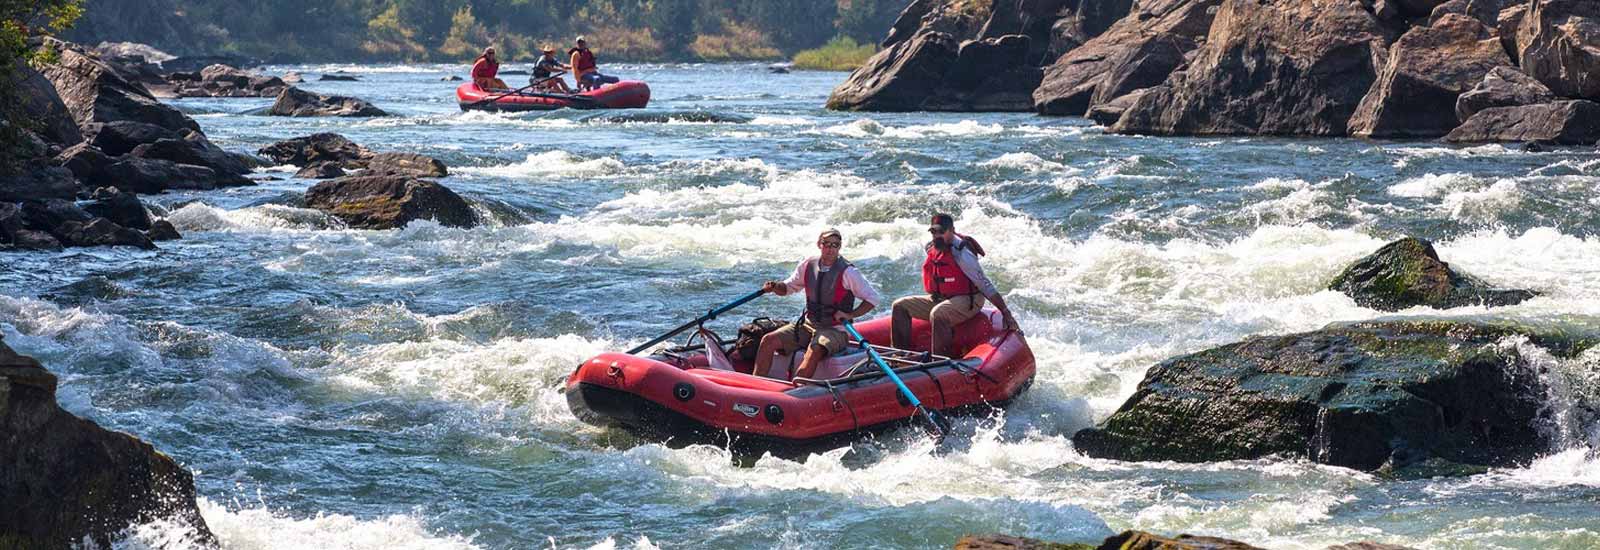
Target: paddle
x: 497, y: 98
x: 940, y: 427
x: 703, y: 318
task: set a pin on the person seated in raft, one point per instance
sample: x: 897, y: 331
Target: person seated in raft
x: 835, y: 292
x: 956, y: 289
x: 547, y: 72
x: 584, y: 70
x: 484, y: 69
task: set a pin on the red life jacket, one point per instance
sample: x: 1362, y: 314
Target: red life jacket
x: 584, y: 63
x: 484, y: 68
x: 825, y: 292
x: 942, y: 277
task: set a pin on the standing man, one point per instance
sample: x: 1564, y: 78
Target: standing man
x: 584, y: 70
x: 956, y: 288
x: 832, y: 286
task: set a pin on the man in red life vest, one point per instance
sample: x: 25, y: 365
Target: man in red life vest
x: 584, y: 69
x: 833, y: 288
x: 484, y: 70
x: 956, y: 289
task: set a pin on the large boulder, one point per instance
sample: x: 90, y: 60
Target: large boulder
x: 321, y: 171
x: 1053, y: 26
x: 94, y: 92
x: 109, y: 50
x: 38, y: 183
x: 120, y: 137
x: 224, y: 81
x: 306, y: 150
x: 1502, y: 87
x: 121, y: 208
x: 1485, y: 11
x: 898, y: 78
x: 406, y: 164
x: 65, y: 479
x: 85, y: 161
x: 295, y: 102
x: 1140, y: 540
x: 990, y: 74
x: 389, y: 202
x: 1560, y: 46
x: 1399, y: 397
x: 1428, y: 69
x: 101, y: 232
x: 195, y: 149
x: 1139, y: 51
x: 148, y: 176
x: 1408, y: 273
x: 1573, y: 122
x: 43, y: 106
x: 1273, y: 68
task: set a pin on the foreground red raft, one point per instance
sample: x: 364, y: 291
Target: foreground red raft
x: 696, y: 394
x: 628, y: 94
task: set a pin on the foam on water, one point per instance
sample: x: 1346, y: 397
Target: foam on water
x: 550, y: 163
x: 260, y: 528
x: 1431, y: 185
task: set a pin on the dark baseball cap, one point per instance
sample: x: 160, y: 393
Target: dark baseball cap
x: 942, y: 221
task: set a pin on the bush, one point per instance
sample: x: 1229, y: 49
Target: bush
x: 840, y: 54
x: 735, y: 42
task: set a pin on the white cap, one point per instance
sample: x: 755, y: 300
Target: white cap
x: 580, y: 39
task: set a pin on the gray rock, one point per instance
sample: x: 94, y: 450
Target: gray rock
x: 1485, y: 11
x: 162, y: 230
x: 101, y: 232
x: 305, y: 150
x: 1108, y: 113
x: 37, y: 183
x: 1502, y: 87
x: 1270, y: 68
x: 899, y: 78
x: 350, y: 78
x: 1373, y: 396
x: 49, y: 214
x: 85, y: 161
x: 1408, y: 273
x: 1572, y: 122
x: 197, y: 150
x: 389, y: 202
x: 406, y: 164
x: 1560, y: 46
x: 28, y: 239
x: 70, y: 482
x: 149, y: 176
x: 294, y: 102
x: 93, y: 92
x: 1428, y: 69
x: 121, y: 208
x: 1140, y: 51
x: 43, y: 105
x: 120, y: 137
x: 321, y: 171
x: 1509, y: 27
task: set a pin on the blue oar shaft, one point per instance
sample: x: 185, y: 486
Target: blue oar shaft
x: 701, y: 319
x: 851, y: 328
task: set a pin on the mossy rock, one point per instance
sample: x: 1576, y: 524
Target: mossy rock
x: 1408, y: 273
x: 1370, y: 396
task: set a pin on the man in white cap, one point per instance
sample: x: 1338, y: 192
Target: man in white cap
x: 833, y: 286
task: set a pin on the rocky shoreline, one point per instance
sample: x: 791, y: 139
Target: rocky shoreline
x: 1466, y: 71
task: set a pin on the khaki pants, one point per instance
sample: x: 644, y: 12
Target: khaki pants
x: 944, y: 316
x: 794, y: 339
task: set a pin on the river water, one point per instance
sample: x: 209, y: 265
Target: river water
x: 337, y: 388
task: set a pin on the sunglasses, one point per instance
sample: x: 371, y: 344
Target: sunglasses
x: 937, y: 230
x: 830, y: 244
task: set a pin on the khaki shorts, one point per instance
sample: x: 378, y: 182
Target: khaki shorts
x: 794, y: 339
x: 952, y: 311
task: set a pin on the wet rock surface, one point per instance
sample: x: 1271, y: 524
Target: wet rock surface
x: 1439, y: 397
x: 1408, y: 273
x: 389, y: 202
x: 67, y: 480
x: 295, y: 102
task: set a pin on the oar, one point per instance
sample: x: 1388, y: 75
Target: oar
x: 940, y: 427
x: 703, y: 318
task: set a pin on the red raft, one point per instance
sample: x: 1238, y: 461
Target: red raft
x: 628, y: 94
x: 698, y: 394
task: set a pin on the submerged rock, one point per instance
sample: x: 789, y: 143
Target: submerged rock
x: 389, y: 202
x: 1140, y: 540
x: 1134, y: 540
x: 295, y: 102
x: 162, y: 230
x: 1008, y: 542
x: 1383, y: 396
x: 1408, y: 273
x: 406, y: 164
x: 121, y: 208
x: 67, y: 479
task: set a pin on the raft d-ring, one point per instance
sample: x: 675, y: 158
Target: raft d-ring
x: 614, y: 370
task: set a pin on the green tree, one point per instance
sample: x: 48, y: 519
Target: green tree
x: 673, y: 23
x: 20, y: 19
x: 867, y: 21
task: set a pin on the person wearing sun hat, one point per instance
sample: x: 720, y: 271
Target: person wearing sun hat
x: 547, y: 72
x: 835, y: 292
x: 956, y: 287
